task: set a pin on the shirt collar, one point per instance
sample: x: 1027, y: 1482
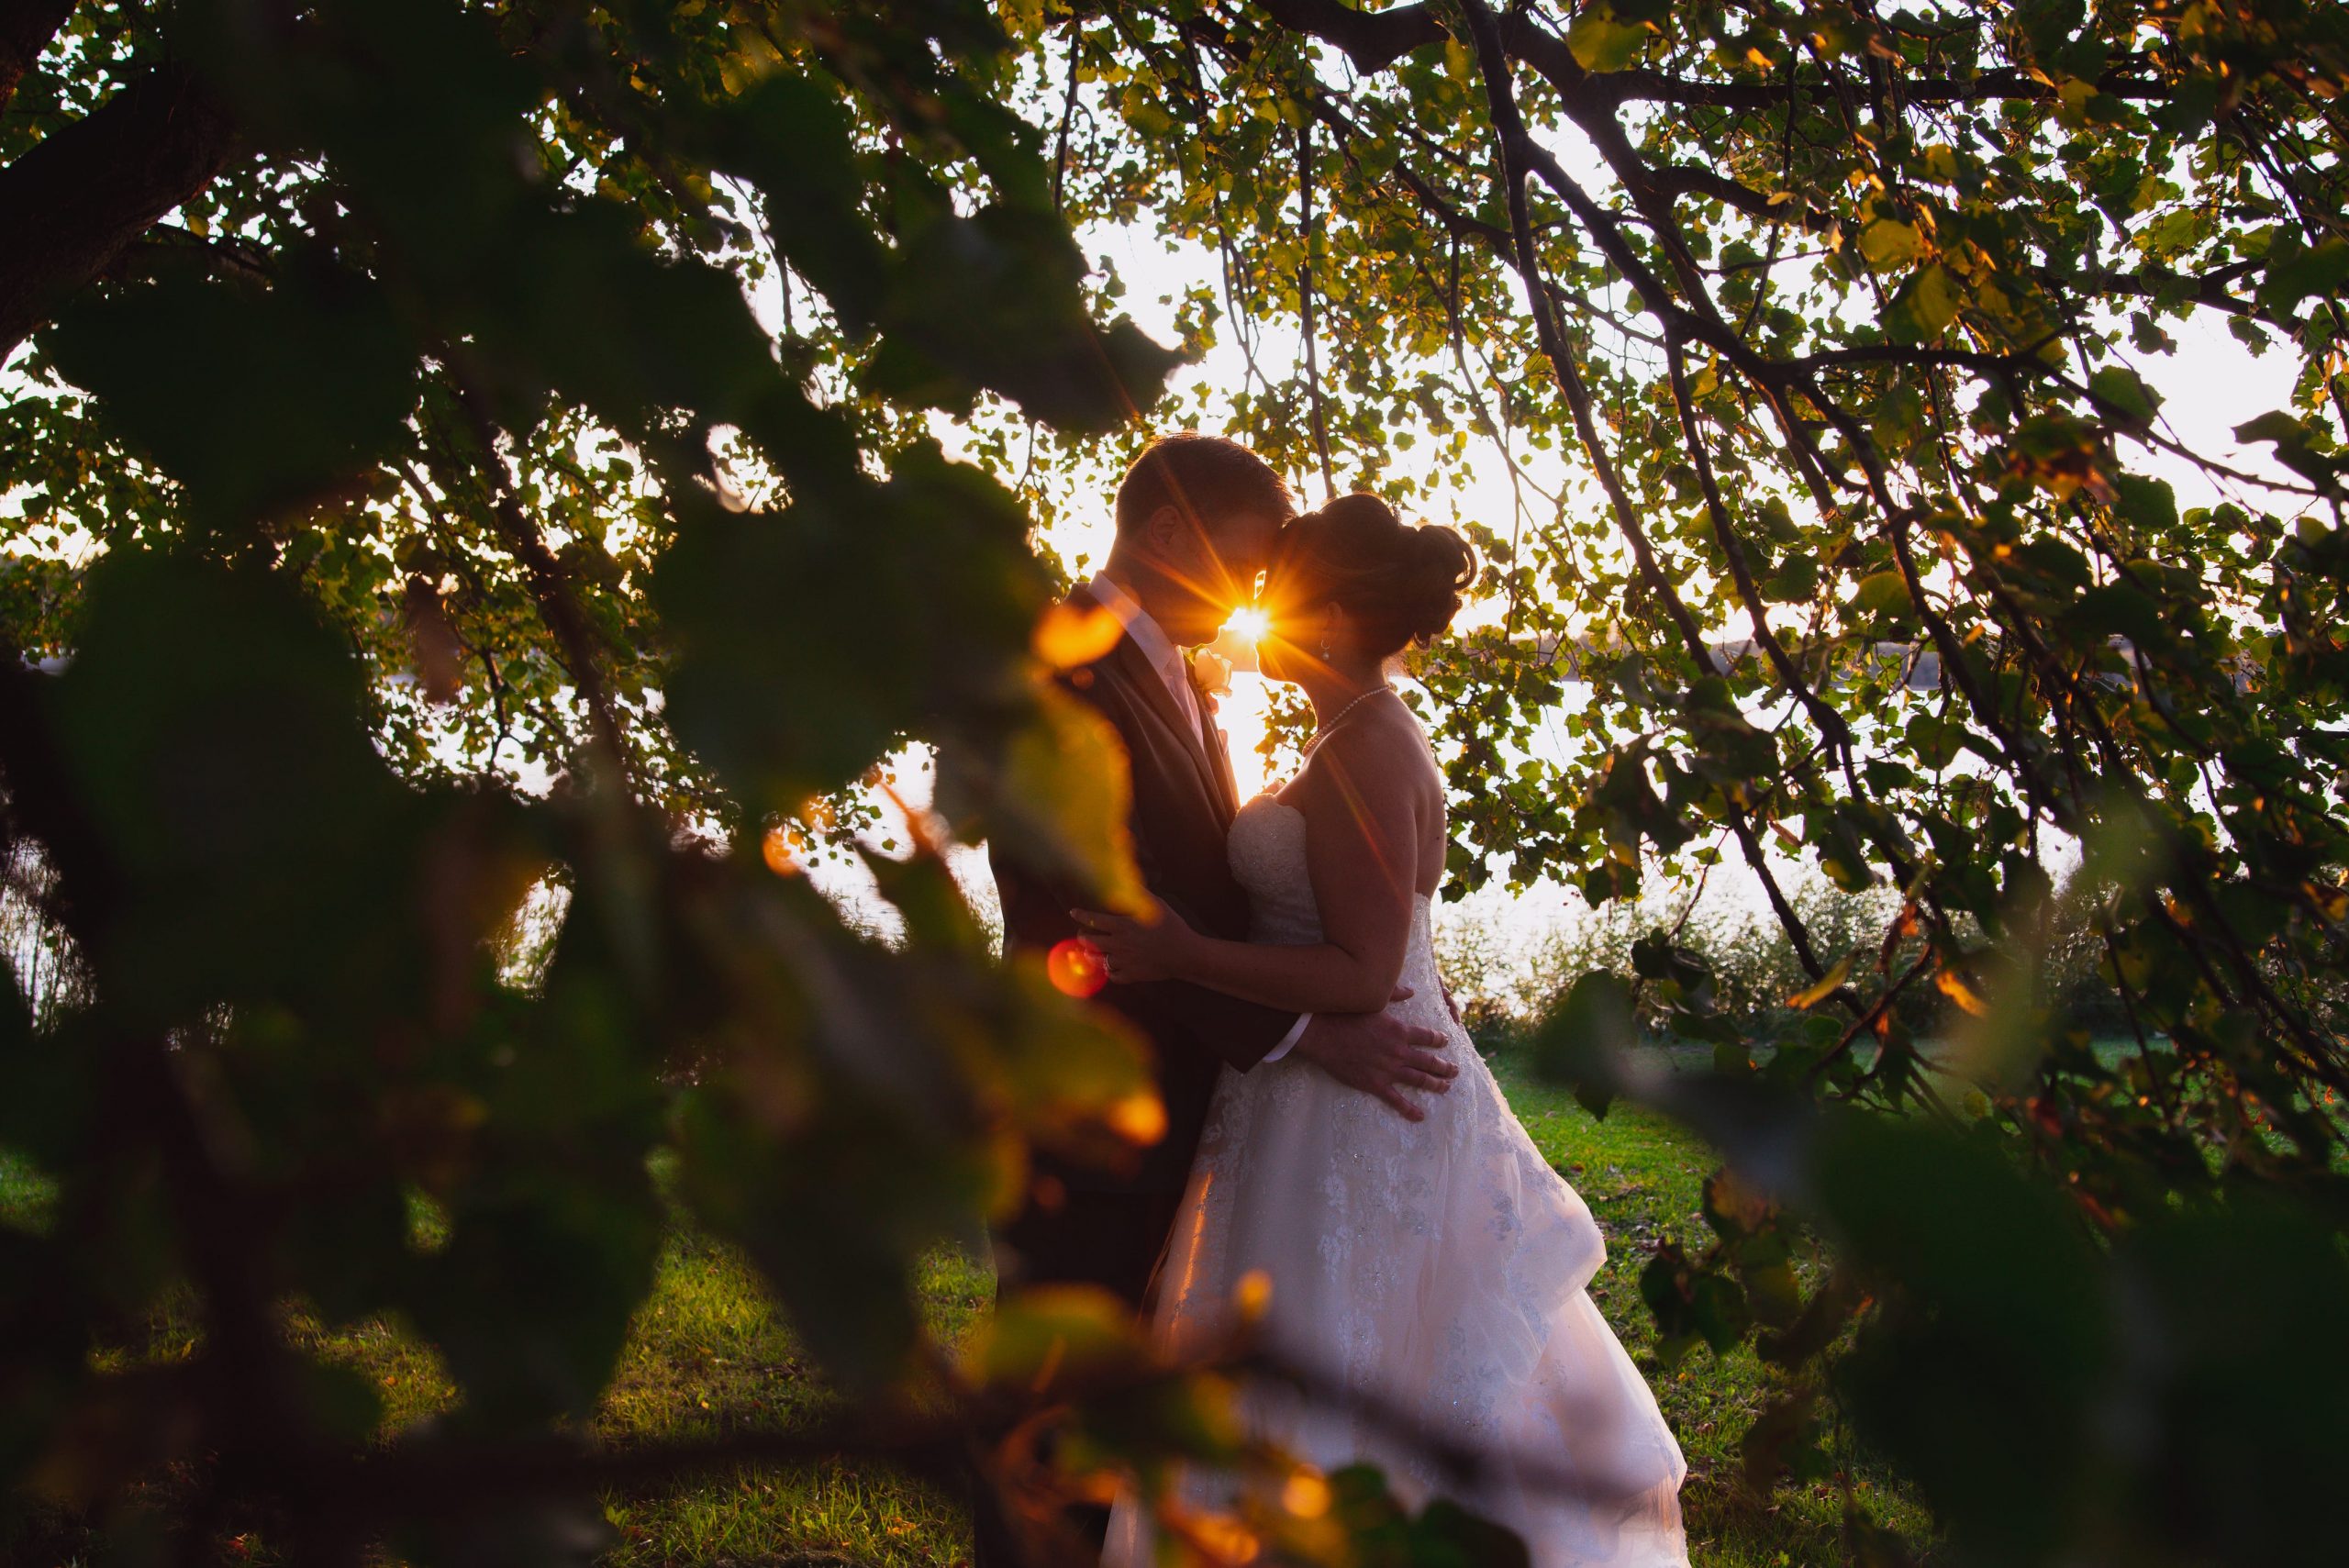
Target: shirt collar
x: 1148, y: 635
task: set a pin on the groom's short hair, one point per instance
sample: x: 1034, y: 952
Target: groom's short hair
x: 1208, y: 477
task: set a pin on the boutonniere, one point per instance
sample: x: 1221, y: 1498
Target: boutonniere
x: 1213, y: 672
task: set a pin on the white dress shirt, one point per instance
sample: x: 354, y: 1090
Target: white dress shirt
x: 1150, y: 638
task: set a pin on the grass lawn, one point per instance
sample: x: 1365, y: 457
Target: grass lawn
x: 708, y: 1356
x: 1643, y: 1179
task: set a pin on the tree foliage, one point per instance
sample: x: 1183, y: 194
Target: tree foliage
x: 1839, y: 312
x: 397, y: 466
x: 396, y: 431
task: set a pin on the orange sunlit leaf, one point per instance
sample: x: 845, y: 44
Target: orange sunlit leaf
x: 1076, y: 968
x: 784, y: 847
x: 1305, y: 1495
x: 1138, y: 1119
x: 1953, y: 985
x: 1828, y: 983
x: 1070, y: 635
x: 1223, y: 1538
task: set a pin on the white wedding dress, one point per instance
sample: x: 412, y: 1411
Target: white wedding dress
x: 1433, y: 1271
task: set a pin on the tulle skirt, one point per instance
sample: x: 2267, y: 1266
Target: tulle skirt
x: 1432, y: 1280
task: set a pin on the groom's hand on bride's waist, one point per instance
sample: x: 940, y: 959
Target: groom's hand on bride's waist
x: 1379, y: 1054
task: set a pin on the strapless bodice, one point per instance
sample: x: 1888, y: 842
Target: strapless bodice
x: 1267, y: 850
x: 1267, y: 854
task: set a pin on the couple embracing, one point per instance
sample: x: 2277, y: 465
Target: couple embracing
x: 1330, y: 1125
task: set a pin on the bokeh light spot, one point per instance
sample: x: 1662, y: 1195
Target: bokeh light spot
x: 1224, y: 1539
x: 1253, y: 1294
x: 1075, y: 967
x: 1305, y: 1495
x: 1070, y: 635
x: 784, y: 847
x: 1139, y: 1119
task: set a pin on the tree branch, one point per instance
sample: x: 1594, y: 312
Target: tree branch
x: 79, y: 198
x: 1689, y: 180
x: 1372, y: 39
x: 1305, y: 287
x: 2209, y: 289
x: 26, y: 27
x: 1516, y: 144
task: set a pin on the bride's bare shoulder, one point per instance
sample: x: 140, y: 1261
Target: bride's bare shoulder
x: 1382, y: 754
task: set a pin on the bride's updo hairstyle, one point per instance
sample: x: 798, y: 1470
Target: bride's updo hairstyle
x: 1402, y: 585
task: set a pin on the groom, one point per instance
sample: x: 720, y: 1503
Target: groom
x: 1197, y: 518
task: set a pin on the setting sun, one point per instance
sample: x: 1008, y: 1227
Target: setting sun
x: 1249, y: 624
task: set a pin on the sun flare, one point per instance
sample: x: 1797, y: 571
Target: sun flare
x: 1249, y: 624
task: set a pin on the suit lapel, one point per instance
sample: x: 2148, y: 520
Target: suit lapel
x: 1201, y: 742
x: 1218, y: 760
x: 1138, y: 672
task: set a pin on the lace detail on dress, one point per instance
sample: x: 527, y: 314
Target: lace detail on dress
x: 1437, y: 1268
x: 1267, y: 845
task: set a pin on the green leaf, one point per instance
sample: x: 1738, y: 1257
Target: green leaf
x: 1882, y: 594
x: 1580, y: 1040
x: 2118, y: 609
x: 1601, y: 41
x: 1890, y: 244
x: 1931, y: 298
x: 1058, y: 805
x: 1447, y: 1533
x: 1783, y: 1441
x: 2298, y: 446
x: 1934, y: 739
x: 2053, y: 561
x: 265, y: 400
x: 1051, y: 1336
x: 2298, y: 274
x: 993, y: 299
x: 213, y: 723
x: 795, y: 141
x: 2150, y: 504
x: 784, y: 683
x: 2127, y: 397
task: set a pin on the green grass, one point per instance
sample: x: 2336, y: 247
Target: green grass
x: 709, y: 1356
x: 1643, y: 1179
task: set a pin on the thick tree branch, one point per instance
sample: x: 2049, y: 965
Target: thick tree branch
x: 26, y: 27
x: 1372, y: 39
x: 1619, y: 87
x: 79, y: 198
x: 2209, y: 289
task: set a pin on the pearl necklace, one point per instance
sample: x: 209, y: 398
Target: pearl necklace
x: 1336, y: 719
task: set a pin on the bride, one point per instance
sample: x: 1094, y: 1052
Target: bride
x: 1428, y: 1271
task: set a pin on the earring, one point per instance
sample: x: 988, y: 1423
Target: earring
x: 1325, y: 645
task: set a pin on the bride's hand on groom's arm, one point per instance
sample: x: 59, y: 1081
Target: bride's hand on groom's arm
x: 1379, y: 1054
x: 1133, y: 950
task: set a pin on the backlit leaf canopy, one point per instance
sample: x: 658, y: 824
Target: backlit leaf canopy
x: 431, y: 445
x: 457, y: 445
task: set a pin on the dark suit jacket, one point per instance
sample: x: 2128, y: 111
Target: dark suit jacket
x: 1182, y: 805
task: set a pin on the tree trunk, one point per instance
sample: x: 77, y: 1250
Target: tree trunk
x: 26, y: 27
x: 69, y: 206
